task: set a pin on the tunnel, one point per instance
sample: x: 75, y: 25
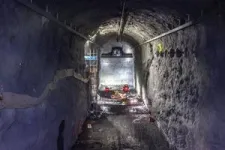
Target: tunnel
x: 48, y: 86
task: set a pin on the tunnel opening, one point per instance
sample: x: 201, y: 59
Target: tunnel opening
x: 123, y: 70
x: 121, y: 61
x: 179, y: 76
x: 157, y: 59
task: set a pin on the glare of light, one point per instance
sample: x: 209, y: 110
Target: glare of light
x: 109, y: 102
x: 105, y: 64
x: 106, y: 31
x: 132, y: 110
x: 111, y: 80
x: 144, y: 97
x: 108, y: 81
x: 138, y: 84
x: 128, y: 59
x: 123, y: 103
x: 133, y: 101
x: 129, y: 50
x: 93, y: 37
x: 142, y: 107
x: 104, y: 108
x: 98, y: 97
x: 87, y: 45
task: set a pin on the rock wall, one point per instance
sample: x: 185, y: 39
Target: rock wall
x: 211, y: 124
x: 29, y: 45
x: 174, y: 85
x: 32, y: 50
x: 38, y: 127
x: 184, y: 85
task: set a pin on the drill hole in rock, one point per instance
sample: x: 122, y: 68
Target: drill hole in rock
x: 172, y: 53
x: 179, y: 53
x: 161, y: 54
x: 181, y: 82
x: 186, y: 52
x: 157, y: 54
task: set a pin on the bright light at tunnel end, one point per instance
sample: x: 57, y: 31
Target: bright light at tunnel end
x: 131, y: 30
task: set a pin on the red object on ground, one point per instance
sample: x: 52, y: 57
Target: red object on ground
x: 126, y: 88
x: 107, y: 89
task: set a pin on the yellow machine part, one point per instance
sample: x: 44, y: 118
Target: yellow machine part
x: 160, y: 48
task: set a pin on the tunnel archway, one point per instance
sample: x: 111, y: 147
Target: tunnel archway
x: 153, y: 21
x: 129, y: 45
x: 184, y: 81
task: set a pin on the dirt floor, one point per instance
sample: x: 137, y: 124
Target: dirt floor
x: 121, y: 132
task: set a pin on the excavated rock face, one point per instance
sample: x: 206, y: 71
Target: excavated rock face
x: 185, y: 86
x: 184, y: 83
x: 175, y: 84
x: 170, y: 78
x: 32, y: 49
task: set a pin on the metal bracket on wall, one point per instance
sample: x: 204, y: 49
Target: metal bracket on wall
x: 181, y: 27
x: 122, y: 22
x: 169, y: 32
x: 53, y: 19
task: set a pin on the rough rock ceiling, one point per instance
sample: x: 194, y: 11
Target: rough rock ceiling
x: 146, y: 18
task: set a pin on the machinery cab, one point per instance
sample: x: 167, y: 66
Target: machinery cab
x: 117, y: 52
x: 116, y: 75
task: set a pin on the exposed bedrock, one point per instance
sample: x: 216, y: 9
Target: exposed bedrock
x: 38, y: 127
x: 32, y: 51
x: 185, y: 85
x: 182, y: 73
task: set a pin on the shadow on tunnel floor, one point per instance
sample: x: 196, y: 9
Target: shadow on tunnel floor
x: 119, y: 132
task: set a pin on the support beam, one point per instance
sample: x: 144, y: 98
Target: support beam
x: 53, y: 19
x: 188, y: 24
x: 121, y: 21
